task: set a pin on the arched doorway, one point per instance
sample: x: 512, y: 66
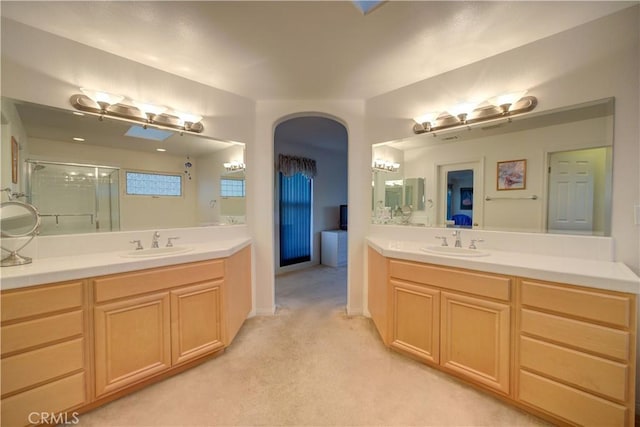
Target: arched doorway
x: 306, y: 203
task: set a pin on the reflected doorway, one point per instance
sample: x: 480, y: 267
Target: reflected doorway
x: 578, y: 196
x: 459, y: 196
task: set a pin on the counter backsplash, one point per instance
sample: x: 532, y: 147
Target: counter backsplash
x: 583, y: 247
x: 83, y: 244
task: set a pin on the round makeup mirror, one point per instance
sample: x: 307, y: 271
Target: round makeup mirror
x: 18, y: 219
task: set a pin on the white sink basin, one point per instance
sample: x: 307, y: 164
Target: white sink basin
x: 155, y: 252
x: 453, y: 251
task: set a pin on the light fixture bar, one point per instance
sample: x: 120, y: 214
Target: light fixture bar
x: 131, y: 114
x: 478, y: 115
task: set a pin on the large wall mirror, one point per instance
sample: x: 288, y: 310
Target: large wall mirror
x: 547, y: 172
x: 90, y: 175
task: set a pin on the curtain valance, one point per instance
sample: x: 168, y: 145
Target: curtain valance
x: 291, y: 165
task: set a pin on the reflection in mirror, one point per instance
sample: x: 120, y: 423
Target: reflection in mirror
x: 18, y: 219
x: 566, y: 188
x: 75, y: 196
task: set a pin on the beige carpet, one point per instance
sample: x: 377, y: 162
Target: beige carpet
x: 310, y: 365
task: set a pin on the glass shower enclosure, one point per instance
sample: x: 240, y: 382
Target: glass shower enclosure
x: 74, y: 198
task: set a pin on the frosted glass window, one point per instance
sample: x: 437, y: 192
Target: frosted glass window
x: 231, y: 187
x: 153, y: 184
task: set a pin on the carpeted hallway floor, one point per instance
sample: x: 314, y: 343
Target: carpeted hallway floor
x: 309, y: 365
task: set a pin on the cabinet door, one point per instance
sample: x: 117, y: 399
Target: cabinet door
x: 195, y: 321
x: 132, y: 341
x: 475, y: 339
x: 416, y: 320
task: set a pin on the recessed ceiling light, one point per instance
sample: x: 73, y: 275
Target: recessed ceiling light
x: 78, y: 139
x: 161, y: 149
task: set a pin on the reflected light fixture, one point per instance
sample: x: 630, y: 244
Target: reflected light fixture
x: 150, y: 110
x: 234, y: 165
x: 465, y: 114
x: 103, y: 104
x: 385, y: 165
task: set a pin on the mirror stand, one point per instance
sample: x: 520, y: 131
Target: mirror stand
x: 18, y: 219
x: 14, y: 258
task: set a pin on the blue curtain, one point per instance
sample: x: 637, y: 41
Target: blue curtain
x: 295, y: 219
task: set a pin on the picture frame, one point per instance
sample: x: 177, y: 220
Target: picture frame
x: 511, y: 175
x: 14, y: 160
x: 466, y: 198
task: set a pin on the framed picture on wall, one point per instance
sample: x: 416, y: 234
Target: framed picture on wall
x: 512, y: 175
x: 466, y: 198
x: 14, y: 160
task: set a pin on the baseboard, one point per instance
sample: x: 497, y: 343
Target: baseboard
x: 265, y: 311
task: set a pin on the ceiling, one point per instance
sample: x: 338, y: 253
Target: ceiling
x: 306, y: 49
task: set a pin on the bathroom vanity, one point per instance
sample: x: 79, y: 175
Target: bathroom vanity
x: 111, y: 334
x: 563, y: 351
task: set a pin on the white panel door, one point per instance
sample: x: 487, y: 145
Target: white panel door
x: 571, y: 192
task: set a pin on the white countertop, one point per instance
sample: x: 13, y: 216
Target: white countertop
x: 57, y: 269
x: 613, y: 276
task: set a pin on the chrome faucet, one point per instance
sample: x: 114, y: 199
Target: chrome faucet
x: 457, y: 234
x: 154, y: 241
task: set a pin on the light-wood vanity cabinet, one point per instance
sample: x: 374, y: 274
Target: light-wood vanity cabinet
x: 44, y: 361
x: 564, y: 352
x: 576, y: 352
x: 145, y: 322
x: 459, y: 320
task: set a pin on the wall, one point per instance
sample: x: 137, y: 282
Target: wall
x: 53, y: 68
x: 261, y: 188
x: 329, y: 192
x: 593, y: 61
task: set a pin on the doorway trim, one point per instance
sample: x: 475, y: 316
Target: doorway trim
x: 477, y: 166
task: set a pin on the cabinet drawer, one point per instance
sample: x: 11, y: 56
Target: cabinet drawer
x: 33, y: 367
x: 589, y: 372
x: 606, y: 308
x: 37, y: 301
x: 483, y: 284
x: 57, y: 396
x: 20, y: 336
x: 571, y: 404
x: 140, y: 282
x: 574, y: 333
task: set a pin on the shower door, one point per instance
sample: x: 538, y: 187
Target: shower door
x: 74, y: 198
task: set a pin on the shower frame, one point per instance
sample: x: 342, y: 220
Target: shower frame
x: 33, y: 163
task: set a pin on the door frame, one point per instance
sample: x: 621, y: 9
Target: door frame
x: 477, y: 166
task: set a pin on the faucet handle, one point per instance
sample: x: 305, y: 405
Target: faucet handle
x: 138, y: 244
x: 170, y: 241
x: 472, y: 245
x: 456, y: 233
x: 444, y: 240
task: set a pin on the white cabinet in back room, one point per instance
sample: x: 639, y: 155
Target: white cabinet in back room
x: 334, y: 248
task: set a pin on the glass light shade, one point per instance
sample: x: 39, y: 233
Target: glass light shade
x: 187, y: 117
x: 462, y: 108
x: 150, y: 108
x: 102, y: 98
x: 507, y: 98
x: 426, y: 118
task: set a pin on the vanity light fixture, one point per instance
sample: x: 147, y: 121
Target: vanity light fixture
x: 234, y: 165
x: 103, y: 104
x: 77, y: 139
x: 385, y: 165
x: 466, y: 114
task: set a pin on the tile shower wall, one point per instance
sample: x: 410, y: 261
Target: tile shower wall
x: 71, y: 199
